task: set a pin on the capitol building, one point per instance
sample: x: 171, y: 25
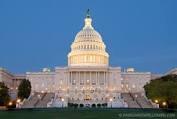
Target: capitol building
x: 88, y: 79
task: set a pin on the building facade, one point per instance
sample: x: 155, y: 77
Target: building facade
x: 88, y: 78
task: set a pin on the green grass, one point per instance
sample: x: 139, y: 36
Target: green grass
x: 68, y: 113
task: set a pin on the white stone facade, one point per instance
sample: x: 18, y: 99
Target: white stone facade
x: 88, y: 78
x: 42, y: 81
x: 6, y: 77
x: 134, y: 81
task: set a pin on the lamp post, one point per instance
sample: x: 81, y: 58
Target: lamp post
x: 164, y: 104
x: 62, y: 101
x: 156, y: 101
x: 10, y: 103
x: 18, y: 102
x: 110, y: 101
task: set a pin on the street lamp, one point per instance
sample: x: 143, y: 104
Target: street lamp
x: 62, y: 101
x: 156, y: 101
x: 10, y: 104
x: 164, y: 104
x: 111, y: 101
x: 18, y: 102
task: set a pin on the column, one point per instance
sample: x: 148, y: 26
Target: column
x: 71, y: 80
x: 98, y: 78
x: 67, y: 79
x: 79, y: 78
x: 104, y: 77
x: 90, y: 82
x: 84, y: 73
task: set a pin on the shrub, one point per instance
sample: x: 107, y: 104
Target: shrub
x: 104, y: 105
x: 76, y: 105
x: 93, y: 105
x: 98, y: 105
x: 81, y: 105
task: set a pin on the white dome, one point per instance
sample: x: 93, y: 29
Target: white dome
x: 88, y: 34
x: 88, y: 47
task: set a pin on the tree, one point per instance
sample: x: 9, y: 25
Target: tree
x: 75, y: 105
x: 163, y: 89
x: 104, y: 104
x: 81, y: 105
x: 4, y: 95
x: 93, y: 105
x: 24, y: 89
x: 98, y: 105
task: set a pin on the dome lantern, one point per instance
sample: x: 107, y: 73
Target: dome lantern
x: 88, y: 21
x: 88, y: 13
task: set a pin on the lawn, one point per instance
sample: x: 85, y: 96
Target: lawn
x: 84, y: 113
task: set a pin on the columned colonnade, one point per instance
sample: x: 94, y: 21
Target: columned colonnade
x: 88, y: 78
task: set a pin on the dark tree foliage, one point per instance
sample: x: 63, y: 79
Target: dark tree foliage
x: 4, y: 95
x: 24, y: 89
x: 163, y: 89
x: 81, y: 105
x: 98, y: 105
x: 104, y: 105
x: 76, y: 105
x: 93, y: 105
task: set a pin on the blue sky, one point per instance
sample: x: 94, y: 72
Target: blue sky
x: 138, y: 33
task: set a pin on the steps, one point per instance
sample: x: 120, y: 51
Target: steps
x: 43, y: 102
x: 136, y: 100
x: 142, y: 100
x: 38, y: 100
x: 130, y: 100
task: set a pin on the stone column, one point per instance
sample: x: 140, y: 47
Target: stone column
x: 97, y: 79
x: 104, y: 78
x: 70, y: 79
x: 79, y: 79
x: 90, y: 82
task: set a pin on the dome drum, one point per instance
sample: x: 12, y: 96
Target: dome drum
x: 88, y: 59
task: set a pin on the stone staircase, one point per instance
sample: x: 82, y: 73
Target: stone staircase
x: 38, y: 100
x: 132, y: 103
x: 30, y: 103
x: 136, y: 100
x: 43, y: 102
x: 142, y: 101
